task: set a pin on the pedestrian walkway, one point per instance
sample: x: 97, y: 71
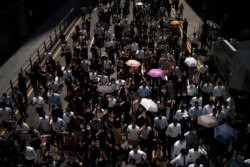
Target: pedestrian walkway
x: 20, y: 59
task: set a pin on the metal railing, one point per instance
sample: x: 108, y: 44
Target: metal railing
x: 50, y: 44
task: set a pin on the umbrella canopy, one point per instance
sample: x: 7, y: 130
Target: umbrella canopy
x: 225, y: 134
x: 133, y: 63
x: 139, y: 4
x: 156, y: 72
x: 104, y: 89
x: 191, y: 62
x: 207, y: 120
x: 175, y: 22
x: 149, y: 105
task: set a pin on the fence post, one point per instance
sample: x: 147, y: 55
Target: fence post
x: 30, y: 62
x: 44, y: 43
x: 55, y: 35
x: 50, y: 39
x: 60, y: 28
x: 11, y: 85
x: 38, y: 55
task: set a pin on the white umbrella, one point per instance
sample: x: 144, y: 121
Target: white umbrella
x: 191, y: 62
x: 149, y: 105
x: 208, y: 121
x: 139, y: 4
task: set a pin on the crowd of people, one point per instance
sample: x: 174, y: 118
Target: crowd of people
x: 104, y: 123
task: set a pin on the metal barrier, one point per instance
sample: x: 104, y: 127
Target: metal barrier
x: 49, y: 44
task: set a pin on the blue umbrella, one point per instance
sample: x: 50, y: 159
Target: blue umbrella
x: 225, y: 133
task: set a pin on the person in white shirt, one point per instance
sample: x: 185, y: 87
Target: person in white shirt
x: 196, y: 164
x: 225, y: 108
x: 203, y: 68
x: 173, y: 133
x: 133, y: 132
x: 208, y: 109
x: 182, y: 159
x: 67, y: 76
x: 144, y: 132
x: 195, y: 111
x: 218, y: 93
x: 5, y: 113
x: 178, y: 146
x: 207, y: 90
x: 93, y: 75
x: 161, y: 122
x: 134, y: 47
x: 182, y: 117
x: 137, y: 156
x: 139, y: 55
x: 191, y: 137
x: 58, y: 126
x: 231, y: 102
x: 67, y: 115
x: 196, y: 98
x: 103, y: 79
x: 191, y: 91
x: 85, y: 65
x: 195, y: 153
x: 120, y: 82
x: 38, y: 102
x: 107, y: 66
x: 44, y: 123
x: 29, y: 156
x: 220, y: 115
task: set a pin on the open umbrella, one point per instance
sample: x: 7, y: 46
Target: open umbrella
x: 133, y: 63
x: 225, y: 133
x: 175, y: 22
x: 104, y: 89
x: 207, y: 120
x: 139, y: 4
x: 156, y: 72
x: 191, y: 62
x: 149, y: 105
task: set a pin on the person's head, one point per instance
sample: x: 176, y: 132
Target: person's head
x: 184, y: 151
x: 196, y: 146
x: 182, y: 107
x: 43, y: 114
x: 198, y: 161
x: 54, y: 118
x: 225, y: 104
x: 182, y: 138
x: 219, y: 83
x: 174, y: 121
x: 196, y: 104
x: 4, y: 95
x: 211, y: 102
x: 135, y: 149
x: 159, y: 115
x: 133, y: 123
x: 37, y: 93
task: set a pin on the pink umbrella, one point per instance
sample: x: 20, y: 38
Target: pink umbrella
x: 133, y: 63
x: 156, y: 72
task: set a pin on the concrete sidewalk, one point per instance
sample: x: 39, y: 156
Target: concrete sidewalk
x: 10, y: 69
